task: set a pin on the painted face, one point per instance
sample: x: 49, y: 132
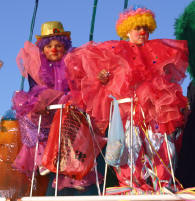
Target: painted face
x: 139, y: 35
x: 54, y: 51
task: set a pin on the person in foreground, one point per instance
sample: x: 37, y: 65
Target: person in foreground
x: 149, y: 71
x: 43, y: 65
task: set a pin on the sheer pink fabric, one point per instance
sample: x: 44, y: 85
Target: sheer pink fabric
x: 28, y: 61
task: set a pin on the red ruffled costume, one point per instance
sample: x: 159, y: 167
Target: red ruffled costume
x: 151, y: 73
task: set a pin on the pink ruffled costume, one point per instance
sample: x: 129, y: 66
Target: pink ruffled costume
x: 51, y: 88
x: 151, y: 74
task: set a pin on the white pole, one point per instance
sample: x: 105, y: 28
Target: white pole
x: 169, y: 156
x: 35, y: 158
x: 131, y: 145
x: 95, y: 161
x: 106, y: 165
x: 59, y: 142
x: 105, y: 174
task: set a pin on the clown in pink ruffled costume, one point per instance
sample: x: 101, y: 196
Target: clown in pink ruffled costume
x: 44, y: 67
x: 149, y: 71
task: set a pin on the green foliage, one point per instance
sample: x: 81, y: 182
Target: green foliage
x: 185, y: 30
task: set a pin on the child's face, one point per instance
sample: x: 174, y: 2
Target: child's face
x: 54, y: 51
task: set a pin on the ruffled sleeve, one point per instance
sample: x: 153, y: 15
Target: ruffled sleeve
x: 84, y: 65
x: 162, y: 103
x: 28, y: 61
x: 171, y: 58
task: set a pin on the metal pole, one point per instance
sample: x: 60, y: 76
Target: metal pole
x: 35, y: 158
x: 125, y: 4
x: 170, y: 162
x: 106, y: 166
x: 131, y: 145
x: 95, y: 161
x: 93, y: 20
x: 59, y: 143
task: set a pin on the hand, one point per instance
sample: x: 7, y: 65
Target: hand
x: 103, y: 76
x: 41, y: 111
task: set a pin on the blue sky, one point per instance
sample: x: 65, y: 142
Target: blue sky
x: 76, y: 16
